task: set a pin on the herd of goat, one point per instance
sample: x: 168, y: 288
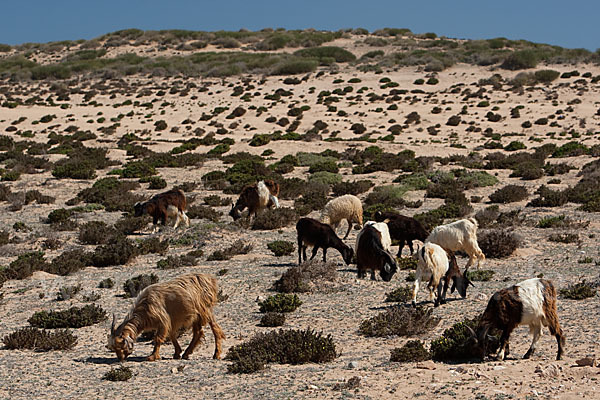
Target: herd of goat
x: 187, y: 301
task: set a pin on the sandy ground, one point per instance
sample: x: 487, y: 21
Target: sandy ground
x: 78, y: 373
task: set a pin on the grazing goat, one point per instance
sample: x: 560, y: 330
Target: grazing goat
x: 162, y: 206
x: 318, y: 235
x: 459, y: 236
x: 166, y: 307
x: 433, y: 264
x: 403, y: 229
x: 346, y: 207
x: 531, y: 302
x: 373, y: 251
x: 255, y: 198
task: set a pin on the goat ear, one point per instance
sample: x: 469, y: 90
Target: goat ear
x: 114, y: 324
x: 129, y: 343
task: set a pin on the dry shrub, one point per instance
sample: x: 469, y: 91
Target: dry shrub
x: 31, y: 338
x: 400, y: 295
x: 487, y: 216
x: 118, y: 252
x: 67, y: 292
x: 133, y: 286
x: 498, y: 243
x: 400, y: 321
x: 106, y: 283
x: 549, y: 198
x: 74, y: 317
x: 354, y: 187
x: 203, y: 212
x: 308, y: 276
x: 292, y: 346
x: 413, y: 350
x: 129, y: 225
x: 173, y: 262
x: 280, y: 303
x: 96, y: 232
x: 509, y: 194
x: 25, y: 265
x: 481, y: 275
x: 281, y: 247
x: 579, y: 291
x: 153, y: 245
x: 122, y: 373
x: 405, y: 263
x: 352, y: 384
x: 69, y: 262
x: 272, y: 319
x: 274, y: 218
x: 238, y: 247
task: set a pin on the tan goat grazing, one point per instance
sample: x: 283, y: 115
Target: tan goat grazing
x: 183, y: 302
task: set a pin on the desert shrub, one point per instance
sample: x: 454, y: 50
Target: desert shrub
x: 327, y: 165
x: 69, y: 262
x: 352, y: 187
x: 274, y: 218
x: 339, y: 54
x: 120, y: 374
x: 153, y: 245
x: 564, y: 237
x: 216, y: 201
x: 133, y: 286
x: 238, y: 247
x: 96, y: 232
x: 456, y: 342
x: 204, y: 212
x: 482, y: 275
x: 549, y: 198
x: 128, y: 225
x: 402, y: 294
x: 280, y: 303
x: 173, y: 262
x: 307, y: 276
x: 106, y: 283
x: 487, y: 216
x: 579, y: 291
x: 571, y: 149
x: 509, y: 194
x: 521, y: 59
x: 112, y: 193
x: 405, y: 263
x: 118, y: 251
x: 554, y: 221
x: 272, y: 319
x: 390, y: 195
x: 138, y: 169
x: 515, y: 145
x: 156, y: 182
x: 67, y: 292
x: 75, y: 169
x: 4, y: 238
x: 281, y: 247
x: 283, y: 347
x: 413, y: 350
x: 59, y: 215
x: 74, y: 317
x: 498, y: 243
x: 259, y: 140
x: 399, y: 320
x: 31, y: 338
x: 25, y: 265
x: 546, y: 75
x: 325, y: 178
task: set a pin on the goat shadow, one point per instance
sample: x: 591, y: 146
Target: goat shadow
x: 109, y: 360
x: 408, y: 304
x: 283, y: 264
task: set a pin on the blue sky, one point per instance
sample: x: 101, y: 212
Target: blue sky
x: 571, y: 24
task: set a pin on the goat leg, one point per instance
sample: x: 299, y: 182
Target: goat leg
x: 198, y: 334
x: 177, y: 354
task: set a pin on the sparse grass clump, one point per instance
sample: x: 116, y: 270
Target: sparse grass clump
x: 173, y: 262
x: 413, y: 350
x: 74, y: 317
x: 509, y: 194
x: 482, y: 275
x: 274, y: 218
x: 400, y: 321
x: 400, y: 295
x: 553, y: 221
x: 238, y: 247
x: 579, y: 291
x: 498, y: 243
x: 306, y: 277
x: 205, y: 212
x: 31, y: 338
x: 405, y: 263
x: 67, y: 292
x: 283, y: 347
x: 280, y: 303
x: 133, y: 286
x: 272, y: 319
x: 564, y: 238
x: 281, y: 247
x: 122, y: 373
x: 107, y: 283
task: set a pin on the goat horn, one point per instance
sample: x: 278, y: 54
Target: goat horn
x: 471, y: 331
x: 114, y: 324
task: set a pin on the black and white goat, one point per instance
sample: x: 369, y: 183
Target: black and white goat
x: 373, y: 251
x: 162, y: 206
x: 255, y: 198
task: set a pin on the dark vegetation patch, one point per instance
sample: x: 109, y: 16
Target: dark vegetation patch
x: 173, y: 262
x: 31, y: 338
x: 281, y: 303
x: 133, y: 286
x: 203, y: 212
x: 308, y: 276
x: 74, y: 317
x: 456, y: 343
x: 403, y: 294
x: 400, y: 321
x: 412, y: 351
x: 120, y: 374
x: 238, y: 247
x: 272, y: 319
x: 564, y: 237
x: 281, y: 247
x: 276, y: 218
x: 579, y: 291
x: 498, y: 243
x: 481, y: 275
x: 509, y: 194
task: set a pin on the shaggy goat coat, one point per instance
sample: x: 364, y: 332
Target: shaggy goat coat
x: 459, y: 236
x: 346, y: 207
x: 255, y: 198
x: 166, y: 307
x: 162, y: 206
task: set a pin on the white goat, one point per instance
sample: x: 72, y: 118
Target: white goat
x: 459, y: 236
x: 346, y: 207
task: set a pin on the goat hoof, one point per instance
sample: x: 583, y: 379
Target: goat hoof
x: 176, y: 356
x: 186, y: 356
x: 153, y: 358
x: 414, y: 304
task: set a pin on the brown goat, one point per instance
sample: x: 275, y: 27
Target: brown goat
x: 163, y: 205
x: 183, y: 302
x: 255, y: 198
x: 320, y: 236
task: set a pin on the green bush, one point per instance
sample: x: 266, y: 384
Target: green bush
x: 325, y: 178
x: 203, y: 212
x: 481, y: 275
x: 120, y: 374
x: 59, y: 215
x: 400, y: 321
x: 554, y: 221
x: 456, y: 343
x: 274, y: 218
x: 173, y: 262
x: 153, y: 245
x: 25, y: 265
x: 406, y: 263
x: 390, y: 196
x: 260, y: 140
x: 69, y: 262
x: 549, y: 198
x: 579, y: 291
x: 74, y: 317
x: 75, y: 169
x: 31, y: 338
x: 281, y: 247
x: 133, y: 286
x: 308, y: 276
x: 96, y: 232
x: 329, y: 166
x: 354, y: 187
x: 571, y: 149
x: 324, y: 52
x: 272, y: 319
x: 546, y: 75
x: 118, y: 251
x: 413, y: 350
x: 280, y: 303
x: 283, y: 347
x: 403, y: 294
x: 509, y: 194
x: 521, y: 59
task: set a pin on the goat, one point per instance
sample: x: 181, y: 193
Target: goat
x: 373, y: 251
x: 162, y: 206
x: 346, y: 207
x: 403, y: 229
x: 319, y: 235
x: 166, y: 307
x: 255, y: 198
x: 531, y: 302
x: 459, y: 235
x: 433, y: 264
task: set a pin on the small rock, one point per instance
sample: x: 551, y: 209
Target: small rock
x: 462, y: 370
x: 313, y: 387
x: 260, y: 299
x: 353, y: 364
x: 499, y: 368
x: 426, y: 365
x: 586, y: 362
x: 480, y: 296
x: 174, y: 370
